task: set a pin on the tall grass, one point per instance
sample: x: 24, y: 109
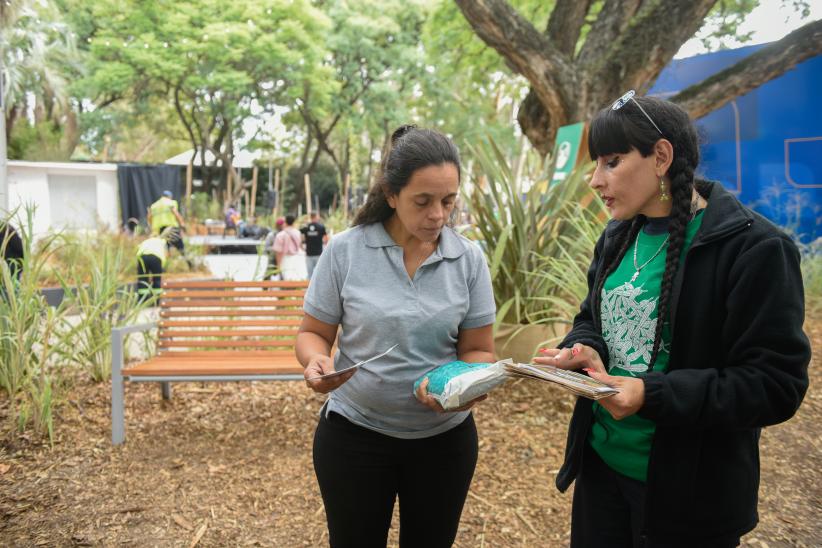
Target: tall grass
x: 98, y: 305
x: 28, y: 332
x: 812, y: 277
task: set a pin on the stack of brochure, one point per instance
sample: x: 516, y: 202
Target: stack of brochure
x: 577, y: 383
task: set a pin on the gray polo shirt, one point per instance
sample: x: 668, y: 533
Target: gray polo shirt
x: 361, y: 283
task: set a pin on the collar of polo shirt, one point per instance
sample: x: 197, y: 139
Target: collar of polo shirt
x: 450, y: 245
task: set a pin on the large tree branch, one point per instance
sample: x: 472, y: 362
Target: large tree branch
x: 613, y: 19
x: 645, y: 48
x: 756, y: 69
x: 565, y: 24
x: 525, y: 49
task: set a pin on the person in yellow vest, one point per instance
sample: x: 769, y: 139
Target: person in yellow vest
x: 165, y: 214
x: 152, y: 254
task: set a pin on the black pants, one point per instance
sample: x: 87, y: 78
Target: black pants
x: 149, y: 273
x: 608, y: 509
x: 361, y: 472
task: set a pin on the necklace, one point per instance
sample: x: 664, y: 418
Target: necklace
x: 424, y: 256
x: 637, y: 268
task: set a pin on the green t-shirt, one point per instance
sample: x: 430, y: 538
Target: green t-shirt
x: 629, y: 316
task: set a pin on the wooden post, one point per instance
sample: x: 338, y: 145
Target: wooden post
x: 254, y: 190
x: 189, y: 169
x: 277, y: 193
x: 229, y: 177
x: 346, y: 183
x: 307, y: 194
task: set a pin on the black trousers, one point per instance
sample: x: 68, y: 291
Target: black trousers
x: 149, y: 273
x: 361, y: 472
x: 608, y: 509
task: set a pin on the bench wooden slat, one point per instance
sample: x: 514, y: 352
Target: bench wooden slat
x: 165, y: 333
x: 168, y: 324
x: 273, y: 303
x: 177, y: 284
x: 171, y: 366
x: 217, y: 313
x: 201, y: 343
x: 229, y: 294
x: 195, y: 355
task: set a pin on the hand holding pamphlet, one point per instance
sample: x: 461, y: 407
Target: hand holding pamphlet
x: 353, y: 367
x: 576, y: 383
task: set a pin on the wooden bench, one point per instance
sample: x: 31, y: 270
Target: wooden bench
x: 214, y: 331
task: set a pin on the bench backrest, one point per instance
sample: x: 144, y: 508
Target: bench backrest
x: 259, y: 317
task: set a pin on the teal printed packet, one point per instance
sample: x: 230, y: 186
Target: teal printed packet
x: 456, y: 383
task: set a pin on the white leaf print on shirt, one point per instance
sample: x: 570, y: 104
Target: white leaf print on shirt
x: 628, y: 328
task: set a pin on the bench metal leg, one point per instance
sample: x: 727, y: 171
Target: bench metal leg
x: 118, y: 430
x: 165, y: 388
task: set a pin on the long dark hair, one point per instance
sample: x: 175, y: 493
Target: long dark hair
x: 411, y: 148
x: 619, y: 131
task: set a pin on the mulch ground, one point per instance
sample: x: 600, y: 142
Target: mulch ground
x: 230, y: 465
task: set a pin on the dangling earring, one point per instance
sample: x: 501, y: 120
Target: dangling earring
x: 663, y: 194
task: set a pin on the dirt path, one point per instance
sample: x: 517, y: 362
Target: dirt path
x: 230, y: 465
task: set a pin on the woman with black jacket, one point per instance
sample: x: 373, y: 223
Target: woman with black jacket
x: 673, y: 458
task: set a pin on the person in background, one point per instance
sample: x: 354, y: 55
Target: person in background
x: 232, y: 220
x: 287, y: 246
x: 694, y: 313
x: 152, y: 254
x: 315, y: 237
x: 268, y: 248
x: 164, y: 218
x: 12, y: 246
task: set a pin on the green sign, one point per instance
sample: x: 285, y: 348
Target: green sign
x: 566, y: 151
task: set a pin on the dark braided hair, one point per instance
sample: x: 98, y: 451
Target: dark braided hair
x: 619, y: 132
x: 411, y: 148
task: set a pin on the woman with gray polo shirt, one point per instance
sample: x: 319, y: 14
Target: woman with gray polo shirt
x: 399, y: 276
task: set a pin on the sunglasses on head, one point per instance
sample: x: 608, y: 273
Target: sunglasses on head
x: 629, y: 96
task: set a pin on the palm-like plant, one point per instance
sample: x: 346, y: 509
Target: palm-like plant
x: 36, y: 50
x: 523, y: 221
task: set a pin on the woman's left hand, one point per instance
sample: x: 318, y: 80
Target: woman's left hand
x: 424, y: 397
x: 630, y: 398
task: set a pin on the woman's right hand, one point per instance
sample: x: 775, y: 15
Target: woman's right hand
x: 579, y: 356
x: 323, y: 365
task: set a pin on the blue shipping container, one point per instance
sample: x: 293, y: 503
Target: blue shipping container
x: 766, y: 145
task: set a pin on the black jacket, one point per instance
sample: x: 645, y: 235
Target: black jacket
x: 738, y: 362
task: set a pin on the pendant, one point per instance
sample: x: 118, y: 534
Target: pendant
x: 634, y: 277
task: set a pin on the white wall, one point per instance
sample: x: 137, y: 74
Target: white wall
x: 56, y: 206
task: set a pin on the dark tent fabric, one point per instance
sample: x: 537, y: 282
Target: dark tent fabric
x: 141, y: 185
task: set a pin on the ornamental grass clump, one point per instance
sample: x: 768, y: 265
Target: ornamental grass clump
x: 29, y: 338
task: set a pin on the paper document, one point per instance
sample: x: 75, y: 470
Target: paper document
x: 577, y: 383
x: 353, y: 367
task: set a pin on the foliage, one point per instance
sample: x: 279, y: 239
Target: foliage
x: 216, y: 62
x: 812, y: 277
x: 101, y: 304
x: 38, y: 57
x: 564, y: 274
x: 203, y: 207
x: 28, y: 333
x: 323, y: 186
x: 377, y: 66
x: 521, y: 221
x: 40, y: 141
